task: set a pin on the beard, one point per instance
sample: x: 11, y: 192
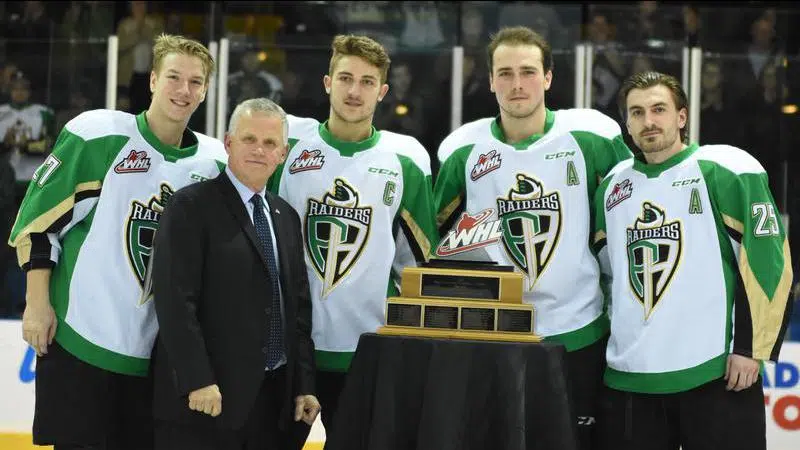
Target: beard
x: 656, y: 143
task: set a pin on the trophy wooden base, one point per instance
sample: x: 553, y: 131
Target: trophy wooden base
x: 459, y: 334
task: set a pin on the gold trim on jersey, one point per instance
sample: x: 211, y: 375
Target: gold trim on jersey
x: 599, y: 236
x: 766, y: 313
x: 419, y: 235
x: 448, y: 210
x: 43, y: 222
x: 730, y: 222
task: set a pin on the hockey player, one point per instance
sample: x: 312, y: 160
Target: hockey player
x: 365, y: 197
x: 535, y: 171
x: 700, y: 277
x: 84, y: 235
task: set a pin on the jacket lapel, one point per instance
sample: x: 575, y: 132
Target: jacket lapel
x: 235, y: 205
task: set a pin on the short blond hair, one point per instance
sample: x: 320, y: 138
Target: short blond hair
x: 363, y: 47
x: 170, y: 43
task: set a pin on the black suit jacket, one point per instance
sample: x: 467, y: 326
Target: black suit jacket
x: 211, y: 289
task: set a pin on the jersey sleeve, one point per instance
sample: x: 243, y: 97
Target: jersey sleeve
x: 599, y: 246
x: 449, y: 194
x: 601, y: 154
x: 744, y: 204
x: 417, y: 226
x: 63, y: 192
x: 299, y: 127
x: 274, y: 181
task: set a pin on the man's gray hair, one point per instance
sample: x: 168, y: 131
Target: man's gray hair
x: 259, y: 105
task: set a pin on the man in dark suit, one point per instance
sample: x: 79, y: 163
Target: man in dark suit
x: 233, y: 365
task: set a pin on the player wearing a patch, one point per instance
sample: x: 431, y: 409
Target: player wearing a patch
x: 84, y: 234
x: 700, y: 273
x: 366, y: 200
x: 536, y: 171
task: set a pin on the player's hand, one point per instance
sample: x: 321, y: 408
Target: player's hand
x: 306, y: 408
x: 10, y: 136
x: 207, y: 400
x: 741, y: 372
x: 39, y: 324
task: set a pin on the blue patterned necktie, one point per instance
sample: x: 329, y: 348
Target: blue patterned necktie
x: 275, y: 347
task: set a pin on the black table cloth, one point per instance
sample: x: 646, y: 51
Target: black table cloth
x: 438, y: 394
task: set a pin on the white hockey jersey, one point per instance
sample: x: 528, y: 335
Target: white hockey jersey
x: 367, y: 212
x: 538, y: 191
x: 90, y: 213
x: 699, y: 265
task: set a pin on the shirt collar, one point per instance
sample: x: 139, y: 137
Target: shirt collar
x: 245, y: 192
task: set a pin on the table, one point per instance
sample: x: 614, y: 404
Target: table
x: 437, y: 394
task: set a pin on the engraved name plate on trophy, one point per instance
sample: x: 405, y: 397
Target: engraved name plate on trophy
x: 461, y: 300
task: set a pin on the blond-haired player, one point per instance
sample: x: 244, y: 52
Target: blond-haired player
x: 84, y: 235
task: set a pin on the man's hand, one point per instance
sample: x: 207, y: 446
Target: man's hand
x: 207, y: 400
x: 39, y: 320
x: 39, y: 325
x: 741, y: 372
x: 306, y: 407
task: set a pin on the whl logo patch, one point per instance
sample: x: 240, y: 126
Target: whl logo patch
x: 337, y: 229
x: 654, y: 252
x: 470, y: 232
x: 135, y: 162
x: 308, y: 160
x: 486, y: 163
x: 619, y: 192
x: 531, y: 226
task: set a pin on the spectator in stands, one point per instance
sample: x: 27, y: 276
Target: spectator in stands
x: 251, y: 81
x: 421, y: 27
x: 474, y: 33
x: 81, y: 50
x: 651, y: 21
x: 477, y: 101
x: 373, y: 19
x: 137, y: 33
x: 715, y: 113
x: 26, y: 130
x: 7, y: 74
x: 32, y: 30
x: 609, y: 68
x: 403, y: 108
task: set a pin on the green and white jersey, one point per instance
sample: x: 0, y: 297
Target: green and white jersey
x: 31, y: 122
x: 699, y: 265
x: 535, y: 196
x: 367, y: 213
x: 90, y: 213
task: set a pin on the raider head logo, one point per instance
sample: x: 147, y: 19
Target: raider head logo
x: 141, y: 228
x: 654, y: 253
x: 531, y: 226
x: 337, y: 230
